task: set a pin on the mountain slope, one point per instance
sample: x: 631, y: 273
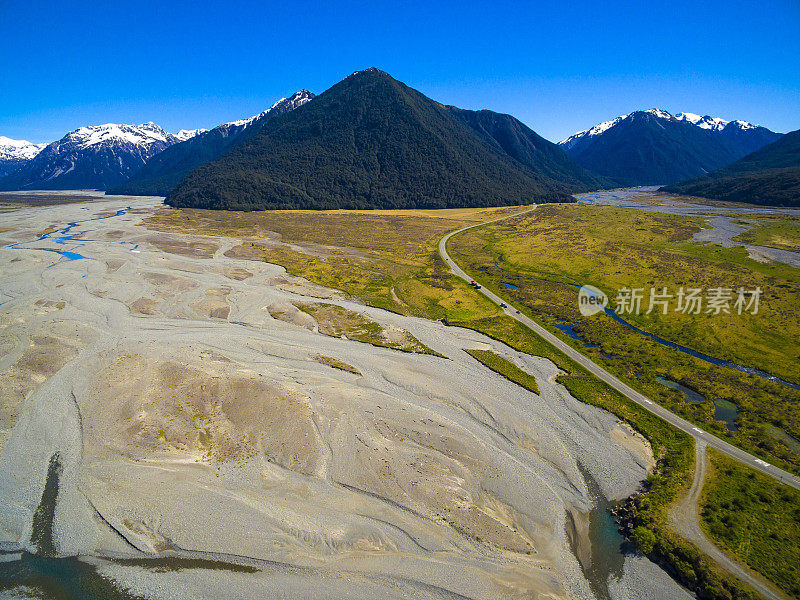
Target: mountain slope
x: 367, y: 142
x: 15, y: 153
x: 654, y: 147
x: 542, y: 157
x: 165, y: 170
x: 745, y: 138
x: 768, y: 176
x: 94, y: 157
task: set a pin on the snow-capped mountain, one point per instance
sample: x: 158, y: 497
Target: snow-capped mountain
x: 707, y: 122
x: 93, y: 157
x: 281, y: 106
x: 652, y: 146
x: 703, y: 122
x: 185, y: 134
x: 15, y: 153
x: 111, y: 134
x: 18, y: 148
x: 163, y: 172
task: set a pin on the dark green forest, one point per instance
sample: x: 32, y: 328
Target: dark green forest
x: 769, y: 176
x: 371, y: 142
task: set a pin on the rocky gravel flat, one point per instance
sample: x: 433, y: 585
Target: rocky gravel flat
x: 190, y: 421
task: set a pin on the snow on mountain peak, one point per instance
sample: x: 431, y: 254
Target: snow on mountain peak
x: 297, y: 99
x: 185, y: 134
x: 18, y: 149
x: 606, y: 125
x: 145, y: 135
x: 704, y: 122
x: 661, y: 114
x: 94, y: 156
x: 596, y: 130
x: 284, y: 105
x: 691, y: 117
x: 744, y: 124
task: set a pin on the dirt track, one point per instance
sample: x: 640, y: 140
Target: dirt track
x: 685, y: 518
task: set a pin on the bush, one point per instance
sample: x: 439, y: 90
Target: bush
x: 644, y: 539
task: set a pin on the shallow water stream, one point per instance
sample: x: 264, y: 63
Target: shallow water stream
x: 605, y: 559
x: 63, y: 236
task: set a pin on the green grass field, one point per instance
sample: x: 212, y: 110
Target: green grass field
x: 775, y: 231
x: 336, y: 364
x: 755, y: 518
x: 501, y: 366
x: 336, y: 321
x: 387, y: 259
x: 545, y: 254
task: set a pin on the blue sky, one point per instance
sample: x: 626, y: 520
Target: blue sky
x: 560, y: 67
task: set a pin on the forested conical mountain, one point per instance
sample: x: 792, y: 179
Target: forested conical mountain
x: 768, y: 176
x: 373, y: 142
x: 93, y: 157
x: 160, y: 175
x: 653, y: 147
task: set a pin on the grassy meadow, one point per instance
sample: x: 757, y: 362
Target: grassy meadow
x: 386, y: 259
x: 507, y: 369
x: 336, y: 321
x: 774, y: 231
x: 754, y: 518
x: 547, y: 253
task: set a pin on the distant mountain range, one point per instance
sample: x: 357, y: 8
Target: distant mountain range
x: 652, y: 147
x: 768, y: 176
x: 373, y: 142
x: 15, y: 153
x: 93, y: 157
x: 165, y: 170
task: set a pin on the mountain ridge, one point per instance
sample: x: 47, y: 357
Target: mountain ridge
x: 91, y: 157
x: 769, y: 176
x: 15, y: 153
x: 162, y: 172
x: 370, y: 141
x: 652, y: 147
x: 523, y: 144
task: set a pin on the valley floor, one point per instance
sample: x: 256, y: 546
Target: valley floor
x: 165, y: 399
x: 636, y: 238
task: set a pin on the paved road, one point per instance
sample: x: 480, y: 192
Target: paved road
x: 599, y: 372
x: 685, y: 517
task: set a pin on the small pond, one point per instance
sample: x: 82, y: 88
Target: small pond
x: 724, y: 410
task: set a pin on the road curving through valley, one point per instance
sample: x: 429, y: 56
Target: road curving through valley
x: 698, y: 434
